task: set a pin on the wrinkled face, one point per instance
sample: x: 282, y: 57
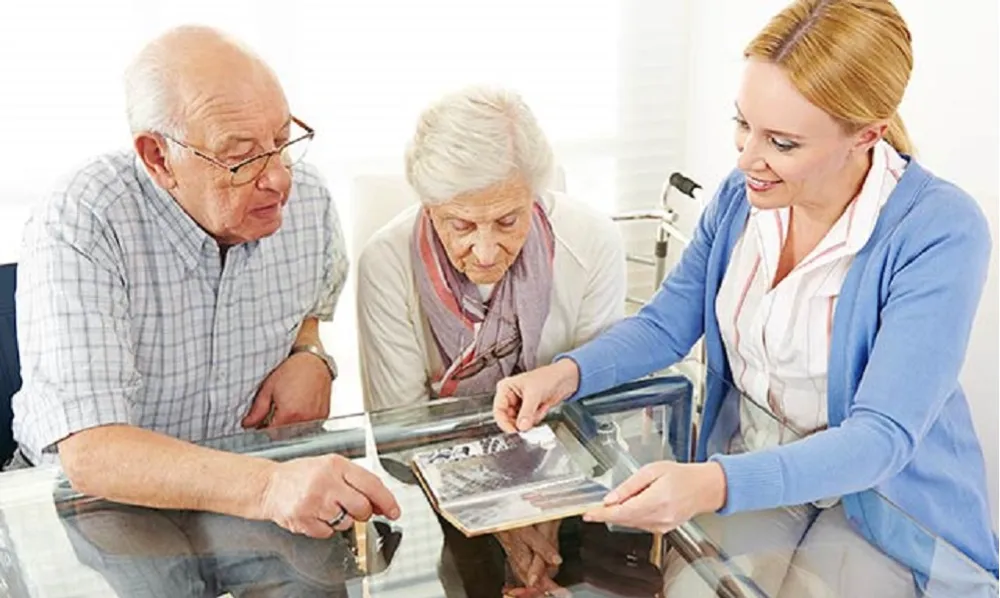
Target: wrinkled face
x: 231, y: 126
x: 791, y: 151
x: 483, y: 231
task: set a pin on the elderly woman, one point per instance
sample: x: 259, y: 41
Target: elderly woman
x: 491, y: 275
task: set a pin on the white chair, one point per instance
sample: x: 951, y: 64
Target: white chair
x: 376, y: 199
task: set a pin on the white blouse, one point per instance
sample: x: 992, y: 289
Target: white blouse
x: 778, y: 339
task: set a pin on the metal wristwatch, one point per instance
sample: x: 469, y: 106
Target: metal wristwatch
x: 320, y: 353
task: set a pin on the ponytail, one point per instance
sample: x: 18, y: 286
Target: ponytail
x: 897, y: 136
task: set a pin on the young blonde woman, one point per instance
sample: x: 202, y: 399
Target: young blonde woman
x: 835, y: 280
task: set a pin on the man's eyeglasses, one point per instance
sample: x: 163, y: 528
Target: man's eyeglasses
x: 247, y: 171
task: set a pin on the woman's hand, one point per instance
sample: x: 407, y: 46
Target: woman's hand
x: 663, y: 495
x: 522, y: 401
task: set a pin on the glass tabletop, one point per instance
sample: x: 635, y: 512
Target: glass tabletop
x: 755, y: 553
x: 55, y: 542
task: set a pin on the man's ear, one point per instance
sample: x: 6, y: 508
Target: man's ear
x: 152, y: 150
x: 869, y: 135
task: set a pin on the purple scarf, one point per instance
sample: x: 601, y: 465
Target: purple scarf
x: 482, y: 342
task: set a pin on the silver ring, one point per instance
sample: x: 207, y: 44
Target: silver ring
x: 338, y: 519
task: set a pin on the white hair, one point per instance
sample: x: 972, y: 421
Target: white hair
x: 152, y: 101
x: 472, y: 139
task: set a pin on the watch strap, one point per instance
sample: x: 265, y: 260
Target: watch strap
x: 325, y: 357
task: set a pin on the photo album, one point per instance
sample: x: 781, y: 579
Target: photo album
x: 506, y: 481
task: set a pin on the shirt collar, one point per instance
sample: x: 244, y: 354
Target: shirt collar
x: 192, y: 243
x: 886, y: 169
x: 854, y: 227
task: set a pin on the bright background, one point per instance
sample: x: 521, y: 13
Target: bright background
x: 628, y: 91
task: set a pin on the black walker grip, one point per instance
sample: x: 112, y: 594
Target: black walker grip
x: 683, y: 184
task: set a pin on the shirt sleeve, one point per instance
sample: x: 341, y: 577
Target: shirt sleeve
x: 392, y: 364
x: 77, y: 358
x: 335, y: 261
x: 666, y: 328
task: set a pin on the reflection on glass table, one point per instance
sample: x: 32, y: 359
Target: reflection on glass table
x: 435, y: 559
x: 54, y: 542
x: 796, y: 550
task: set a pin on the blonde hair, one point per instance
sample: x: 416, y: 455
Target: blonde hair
x: 852, y: 58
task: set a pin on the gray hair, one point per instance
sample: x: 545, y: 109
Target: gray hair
x: 473, y: 138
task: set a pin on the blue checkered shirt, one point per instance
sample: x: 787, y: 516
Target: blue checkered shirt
x: 126, y: 314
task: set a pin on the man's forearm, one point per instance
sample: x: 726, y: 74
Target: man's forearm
x: 135, y: 466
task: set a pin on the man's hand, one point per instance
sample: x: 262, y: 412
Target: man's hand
x: 663, y: 495
x: 533, y: 554
x: 298, y: 390
x: 302, y: 495
x: 522, y: 401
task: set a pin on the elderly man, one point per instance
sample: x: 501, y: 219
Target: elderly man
x: 172, y: 294
x: 493, y: 274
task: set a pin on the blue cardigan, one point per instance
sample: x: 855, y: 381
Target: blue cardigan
x: 899, y: 421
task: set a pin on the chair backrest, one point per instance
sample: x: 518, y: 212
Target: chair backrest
x: 10, y: 363
x: 377, y: 199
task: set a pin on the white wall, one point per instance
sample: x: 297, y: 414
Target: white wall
x: 951, y: 110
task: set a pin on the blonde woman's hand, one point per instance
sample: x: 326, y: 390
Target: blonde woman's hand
x: 522, y: 401
x: 663, y: 495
